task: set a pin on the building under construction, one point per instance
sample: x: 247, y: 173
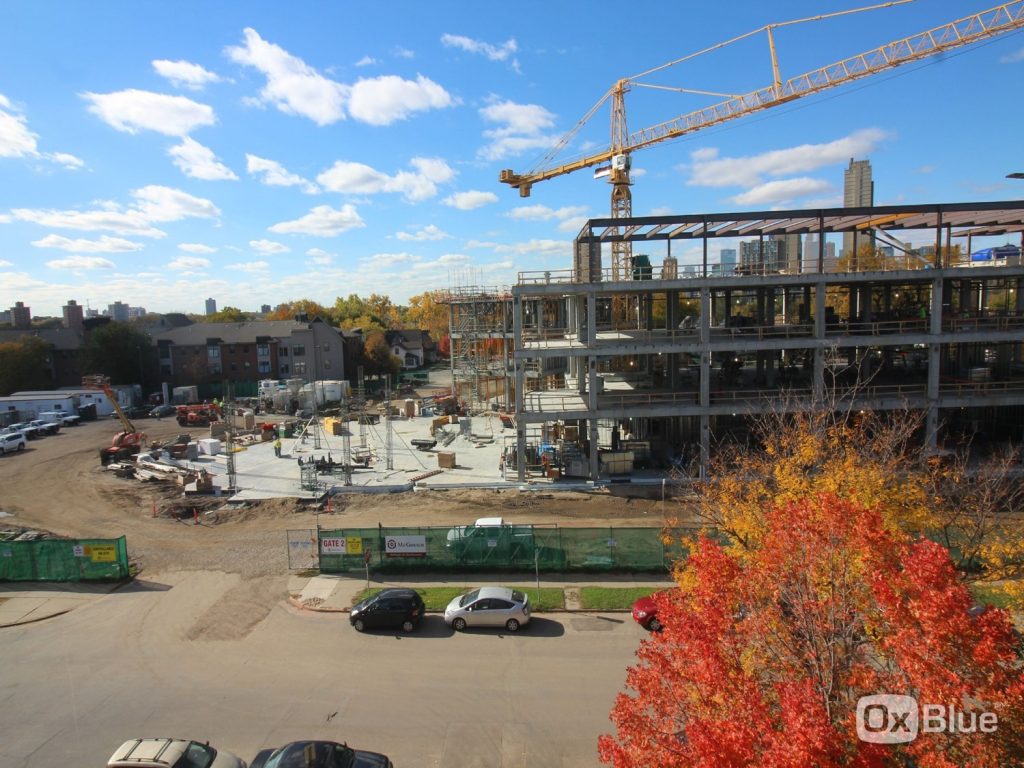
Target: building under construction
x: 615, y: 372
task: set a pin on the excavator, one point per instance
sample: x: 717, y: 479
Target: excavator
x: 129, y: 441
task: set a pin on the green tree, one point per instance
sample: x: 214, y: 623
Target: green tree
x: 122, y: 352
x: 290, y: 309
x: 23, y: 364
x: 427, y: 313
x: 377, y: 357
x: 225, y: 315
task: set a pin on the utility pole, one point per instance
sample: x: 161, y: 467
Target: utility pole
x: 387, y: 417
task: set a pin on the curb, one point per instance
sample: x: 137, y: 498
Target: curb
x: 298, y: 604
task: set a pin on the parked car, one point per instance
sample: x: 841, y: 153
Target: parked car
x: 489, y: 607
x: 391, y: 608
x: 645, y: 612
x: 319, y: 754
x: 48, y: 427
x: 135, y: 412
x: 12, y: 441
x: 171, y: 753
x: 27, y: 430
x: 159, y: 411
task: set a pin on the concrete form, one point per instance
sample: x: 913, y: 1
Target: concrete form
x: 945, y: 337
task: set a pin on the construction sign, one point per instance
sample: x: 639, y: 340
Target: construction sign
x: 341, y: 545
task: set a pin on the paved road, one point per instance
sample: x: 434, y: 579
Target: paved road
x: 145, y: 661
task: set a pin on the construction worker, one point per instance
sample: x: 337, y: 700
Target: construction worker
x: 277, y: 447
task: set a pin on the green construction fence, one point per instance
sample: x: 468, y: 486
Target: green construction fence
x: 64, y: 560
x: 510, y: 548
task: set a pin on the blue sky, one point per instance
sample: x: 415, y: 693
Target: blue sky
x: 256, y: 152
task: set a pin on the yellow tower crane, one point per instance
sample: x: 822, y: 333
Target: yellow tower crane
x: 965, y: 31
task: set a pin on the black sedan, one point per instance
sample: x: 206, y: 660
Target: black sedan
x: 319, y: 754
x: 390, y: 608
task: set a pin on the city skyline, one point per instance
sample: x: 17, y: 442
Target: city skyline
x: 287, y: 156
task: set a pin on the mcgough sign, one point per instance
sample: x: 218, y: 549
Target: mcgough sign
x: 405, y: 546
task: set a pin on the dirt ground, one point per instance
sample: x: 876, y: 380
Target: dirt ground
x: 57, y: 485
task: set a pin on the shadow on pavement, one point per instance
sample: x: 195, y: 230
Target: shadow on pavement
x: 536, y: 628
x: 140, y: 585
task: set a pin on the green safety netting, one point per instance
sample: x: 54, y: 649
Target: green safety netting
x: 64, y: 560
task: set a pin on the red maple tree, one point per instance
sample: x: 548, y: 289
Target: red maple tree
x: 765, y: 653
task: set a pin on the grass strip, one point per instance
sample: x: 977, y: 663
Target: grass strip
x: 437, y: 598
x: 612, y: 598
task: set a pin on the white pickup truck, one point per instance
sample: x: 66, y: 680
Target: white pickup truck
x: 60, y: 417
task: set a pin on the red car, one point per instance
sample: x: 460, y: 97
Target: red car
x: 645, y: 612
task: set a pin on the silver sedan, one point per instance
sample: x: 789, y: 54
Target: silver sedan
x: 489, y: 607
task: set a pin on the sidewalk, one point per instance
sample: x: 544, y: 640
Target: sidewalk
x: 337, y: 593
x: 28, y: 602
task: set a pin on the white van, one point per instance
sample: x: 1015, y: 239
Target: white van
x: 60, y: 417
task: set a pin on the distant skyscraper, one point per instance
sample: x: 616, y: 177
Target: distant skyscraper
x: 789, y: 253
x: 118, y: 312
x: 73, y: 315
x: 211, y: 306
x: 21, y: 316
x: 758, y: 257
x: 811, y: 254
x: 265, y: 309
x: 858, y: 191
x: 727, y: 258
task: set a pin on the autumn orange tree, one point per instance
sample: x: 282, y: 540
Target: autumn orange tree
x: 763, y: 657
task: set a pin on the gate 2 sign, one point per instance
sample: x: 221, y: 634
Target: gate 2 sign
x: 337, y: 545
x: 405, y: 546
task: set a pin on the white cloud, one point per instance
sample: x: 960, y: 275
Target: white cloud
x: 199, y: 162
x: 390, y: 259
x: 323, y: 221
x: 268, y: 247
x: 574, y: 224
x: 429, y: 232
x: 366, y: 61
x: 468, y: 201
x: 710, y: 170
x: 389, y: 98
x: 249, y: 266
x: 662, y: 210
x: 296, y: 88
x: 16, y: 140
x: 152, y: 204
x: 81, y: 262
x: 520, y: 128
x: 447, y: 261
x: 189, y: 262
x: 781, y: 191
x: 1013, y: 58
x: 292, y: 86
x: 403, y: 53
x: 359, y: 179
x: 158, y: 203
x: 184, y: 74
x: 134, y: 110
x: 275, y: 175
x: 543, y: 213
x: 319, y: 257
x: 104, y: 245
x: 4, y: 264
x: 529, y: 248
x: 70, y: 162
x: 196, y: 248
x: 494, y: 53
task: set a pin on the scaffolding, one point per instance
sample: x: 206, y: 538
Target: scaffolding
x: 480, y: 327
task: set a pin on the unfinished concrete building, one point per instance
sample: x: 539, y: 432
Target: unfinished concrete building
x: 652, y: 370
x: 480, y: 329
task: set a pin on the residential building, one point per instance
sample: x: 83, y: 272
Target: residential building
x: 209, y: 353
x: 65, y: 344
x: 73, y: 315
x: 760, y: 256
x: 412, y: 346
x: 136, y: 313
x: 211, y: 306
x: 21, y: 316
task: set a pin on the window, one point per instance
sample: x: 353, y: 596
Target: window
x: 298, y: 350
x: 231, y: 349
x: 213, y: 353
x: 214, y: 368
x: 327, y: 347
x: 327, y: 365
x: 299, y: 369
x: 284, y: 368
x: 283, y: 350
x: 263, y: 350
x: 245, y: 349
x: 264, y: 366
x: 234, y: 366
